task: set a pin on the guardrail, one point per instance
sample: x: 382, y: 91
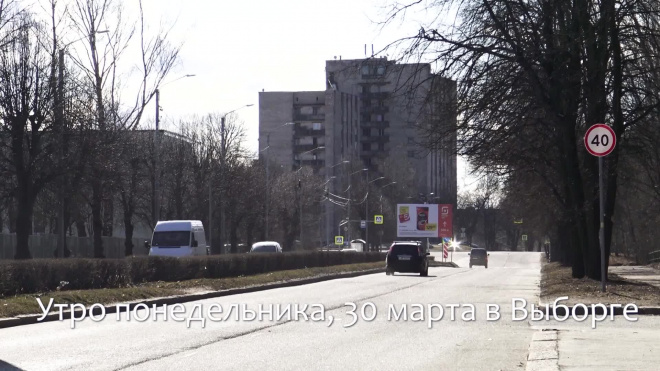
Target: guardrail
x: 654, y: 257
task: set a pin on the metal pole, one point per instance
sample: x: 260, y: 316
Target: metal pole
x: 348, y: 212
x: 301, y: 212
x: 366, y: 215
x: 601, y: 233
x: 267, y: 181
x: 222, y: 183
x: 156, y: 213
x: 60, y: 121
x: 210, y: 226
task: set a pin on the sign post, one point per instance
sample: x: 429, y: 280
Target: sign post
x: 600, y: 141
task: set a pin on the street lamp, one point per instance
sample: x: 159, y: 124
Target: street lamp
x: 380, y: 234
x: 325, y: 227
x: 300, y: 191
x: 348, y: 205
x: 222, y: 169
x: 366, y: 210
x: 59, y: 119
x: 268, y: 173
x: 329, y: 208
x: 156, y: 204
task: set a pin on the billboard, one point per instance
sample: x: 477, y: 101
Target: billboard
x: 424, y: 220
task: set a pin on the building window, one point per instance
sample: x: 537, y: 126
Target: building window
x: 411, y: 153
x: 315, y: 110
x: 366, y: 147
x: 411, y: 140
x: 366, y: 70
x: 366, y: 132
x: 381, y: 147
x: 380, y: 70
x: 381, y: 132
x: 379, y: 118
x: 316, y: 126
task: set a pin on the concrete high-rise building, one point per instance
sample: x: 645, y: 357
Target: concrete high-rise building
x: 374, y: 113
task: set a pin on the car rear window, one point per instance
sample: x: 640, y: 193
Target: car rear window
x: 265, y: 248
x: 478, y: 252
x: 405, y: 250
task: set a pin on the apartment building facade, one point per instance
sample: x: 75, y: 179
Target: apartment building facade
x: 373, y: 112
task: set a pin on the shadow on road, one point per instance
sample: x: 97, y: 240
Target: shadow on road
x: 412, y: 275
x: 4, y: 366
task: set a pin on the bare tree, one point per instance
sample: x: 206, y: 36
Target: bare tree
x: 111, y: 116
x: 532, y: 76
x: 26, y: 100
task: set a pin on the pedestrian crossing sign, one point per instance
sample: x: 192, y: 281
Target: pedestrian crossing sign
x: 339, y: 240
x: 378, y: 219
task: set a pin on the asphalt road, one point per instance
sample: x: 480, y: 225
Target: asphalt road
x: 305, y: 345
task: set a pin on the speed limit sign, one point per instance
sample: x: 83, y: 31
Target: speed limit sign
x: 600, y: 140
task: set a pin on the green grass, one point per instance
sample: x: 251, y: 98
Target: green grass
x: 27, y: 304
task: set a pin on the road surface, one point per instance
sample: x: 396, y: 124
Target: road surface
x: 306, y: 345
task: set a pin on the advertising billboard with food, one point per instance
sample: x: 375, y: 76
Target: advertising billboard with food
x: 424, y: 220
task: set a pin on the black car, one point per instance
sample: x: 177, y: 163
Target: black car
x: 478, y: 256
x: 407, y: 257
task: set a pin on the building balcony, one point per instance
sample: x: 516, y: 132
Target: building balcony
x: 375, y: 124
x: 318, y: 117
x: 300, y: 148
x: 375, y: 109
x: 375, y: 139
x: 373, y: 153
x: 306, y: 132
x: 374, y: 95
x: 313, y: 163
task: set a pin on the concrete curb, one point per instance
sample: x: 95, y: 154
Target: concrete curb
x: 579, y: 311
x: 434, y: 264
x: 543, y: 351
x: 109, y: 309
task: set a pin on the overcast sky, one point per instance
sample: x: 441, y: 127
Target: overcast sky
x: 237, y: 48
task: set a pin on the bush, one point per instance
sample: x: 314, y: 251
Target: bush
x: 43, y: 275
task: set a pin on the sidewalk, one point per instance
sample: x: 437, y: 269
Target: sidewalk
x: 641, y: 273
x: 613, y: 345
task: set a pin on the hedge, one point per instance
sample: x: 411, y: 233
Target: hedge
x: 44, y: 275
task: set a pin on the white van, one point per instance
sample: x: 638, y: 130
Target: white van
x: 178, y: 238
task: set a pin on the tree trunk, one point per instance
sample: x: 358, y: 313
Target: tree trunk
x: 11, y: 217
x: 234, y: 238
x: 81, y: 228
x: 128, y: 226
x: 97, y: 218
x: 23, y: 222
x: 67, y: 223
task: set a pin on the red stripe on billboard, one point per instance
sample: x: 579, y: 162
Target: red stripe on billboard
x: 445, y: 217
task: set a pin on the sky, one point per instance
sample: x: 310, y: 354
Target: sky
x: 236, y: 49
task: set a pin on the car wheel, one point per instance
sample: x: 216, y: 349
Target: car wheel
x: 424, y: 273
x: 389, y: 272
x: 470, y: 266
x: 486, y: 266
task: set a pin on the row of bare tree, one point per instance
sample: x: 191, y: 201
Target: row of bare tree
x: 532, y: 77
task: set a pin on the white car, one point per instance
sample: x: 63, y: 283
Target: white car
x: 266, y: 246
